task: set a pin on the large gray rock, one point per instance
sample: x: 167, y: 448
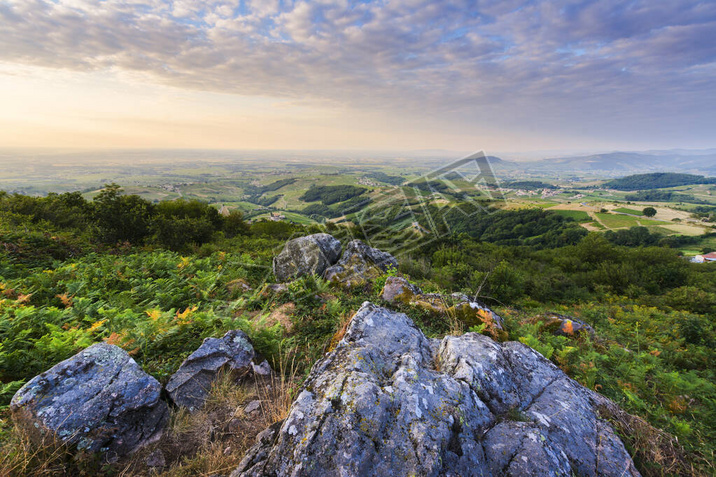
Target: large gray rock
x: 99, y: 399
x: 360, y: 264
x: 309, y: 255
x: 389, y: 401
x: 190, y: 385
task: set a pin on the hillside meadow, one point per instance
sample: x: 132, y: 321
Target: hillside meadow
x: 72, y: 274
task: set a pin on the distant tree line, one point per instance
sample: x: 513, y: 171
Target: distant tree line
x: 663, y: 196
x: 530, y: 185
x: 388, y: 179
x: 113, y: 217
x: 328, y: 195
x: 657, y: 180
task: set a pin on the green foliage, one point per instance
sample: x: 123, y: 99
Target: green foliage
x: 120, y: 217
x: 529, y: 185
x: 649, y: 211
x: 633, y: 237
x: 663, y: 196
x: 158, y: 305
x: 388, y: 179
x: 657, y: 180
x: 332, y: 194
x: 533, y: 227
x: 61, y: 290
x: 625, y: 210
x: 576, y: 215
x: 351, y: 205
x: 181, y: 222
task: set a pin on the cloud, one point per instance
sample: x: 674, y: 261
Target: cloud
x: 459, y: 60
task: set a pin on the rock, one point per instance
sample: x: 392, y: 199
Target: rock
x: 261, y: 369
x: 359, y: 264
x: 190, y: 385
x: 474, y: 314
x: 562, y: 325
x: 457, y: 305
x: 309, y: 255
x: 358, y: 250
x: 273, y: 288
x: 156, y: 460
x: 389, y: 401
x: 238, y: 286
x: 252, y: 406
x: 398, y: 289
x: 100, y: 400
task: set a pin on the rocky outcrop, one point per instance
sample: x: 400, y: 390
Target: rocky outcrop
x: 99, y: 399
x: 359, y: 264
x: 457, y: 306
x: 309, y: 255
x: 190, y: 385
x: 389, y: 401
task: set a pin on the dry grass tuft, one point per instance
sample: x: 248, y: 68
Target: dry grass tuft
x: 338, y: 335
x: 214, y: 439
x: 23, y: 456
x: 655, y: 452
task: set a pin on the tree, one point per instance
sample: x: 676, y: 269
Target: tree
x: 234, y: 224
x: 122, y: 217
x: 649, y: 211
x: 181, y: 222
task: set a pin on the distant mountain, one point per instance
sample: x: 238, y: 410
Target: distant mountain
x: 630, y: 162
x: 657, y: 180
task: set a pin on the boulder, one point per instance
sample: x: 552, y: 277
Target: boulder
x: 190, y: 385
x: 398, y: 289
x: 457, y: 305
x: 359, y: 264
x: 562, y: 325
x: 309, y: 255
x: 389, y: 401
x: 100, y: 400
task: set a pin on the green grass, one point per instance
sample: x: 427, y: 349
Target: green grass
x: 597, y: 225
x: 578, y: 215
x: 617, y: 221
x: 625, y: 210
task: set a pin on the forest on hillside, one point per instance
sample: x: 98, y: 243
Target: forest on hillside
x: 657, y: 180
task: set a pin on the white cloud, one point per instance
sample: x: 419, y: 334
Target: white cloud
x: 458, y: 60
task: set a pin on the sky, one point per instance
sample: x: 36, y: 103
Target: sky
x: 493, y: 75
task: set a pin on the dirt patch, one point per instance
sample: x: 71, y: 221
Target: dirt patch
x: 281, y: 314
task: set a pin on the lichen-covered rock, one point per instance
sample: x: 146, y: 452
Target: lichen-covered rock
x: 358, y: 249
x: 99, y: 399
x: 389, y: 401
x: 190, y: 385
x: 398, y: 289
x: 359, y: 264
x: 309, y: 255
x: 456, y: 306
x: 562, y: 325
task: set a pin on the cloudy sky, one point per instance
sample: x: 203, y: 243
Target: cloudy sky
x: 498, y: 75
